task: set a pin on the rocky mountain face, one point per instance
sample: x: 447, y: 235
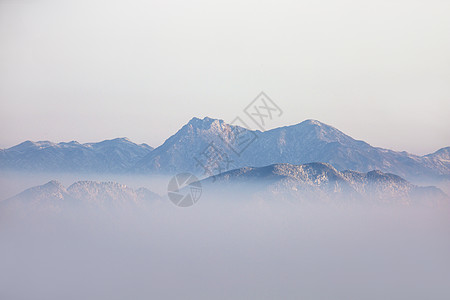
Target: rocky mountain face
x: 220, y: 147
x: 320, y: 183
x: 193, y: 146
x: 116, y: 155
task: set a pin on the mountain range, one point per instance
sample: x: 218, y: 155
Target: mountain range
x: 209, y: 146
x: 317, y: 183
x: 308, y: 141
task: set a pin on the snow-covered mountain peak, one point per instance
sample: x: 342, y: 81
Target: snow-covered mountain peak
x: 51, y: 191
x: 207, y: 129
x: 197, y: 122
x: 53, y: 184
x: 313, y: 122
x: 311, y: 131
x: 323, y: 131
x: 442, y: 154
x: 116, y: 141
x: 30, y: 145
x: 206, y: 123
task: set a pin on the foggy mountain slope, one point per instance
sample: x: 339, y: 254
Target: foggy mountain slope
x: 115, y: 155
x: 53, y: 196
x: 308, y: 141
x: 320, y: 182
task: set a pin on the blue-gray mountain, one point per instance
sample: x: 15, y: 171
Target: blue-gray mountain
x: 192, y: 148
x: 319, y: 183
x: 308, y: 141
x: 117, y: 155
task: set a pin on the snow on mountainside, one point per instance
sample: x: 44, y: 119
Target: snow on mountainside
x: 53, y: 196
x: 442, y: 156
x: 321, y: 182
x: 115, y: 155
x: 308, y: 141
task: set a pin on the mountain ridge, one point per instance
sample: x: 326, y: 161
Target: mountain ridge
x: 184, y: 151
x: 305, y: 142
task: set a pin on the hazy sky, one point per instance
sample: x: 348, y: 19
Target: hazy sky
x: 93, y: 70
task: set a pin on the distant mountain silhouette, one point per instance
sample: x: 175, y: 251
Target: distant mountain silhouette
x: 54, y: 197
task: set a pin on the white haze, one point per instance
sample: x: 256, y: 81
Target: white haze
x: 222, y: 249
x: 93, y: 70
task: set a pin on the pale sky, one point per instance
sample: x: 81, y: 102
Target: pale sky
x: 94, y: 70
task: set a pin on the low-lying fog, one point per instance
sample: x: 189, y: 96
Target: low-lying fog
x: 240, y: 250
x: 222, y: 249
